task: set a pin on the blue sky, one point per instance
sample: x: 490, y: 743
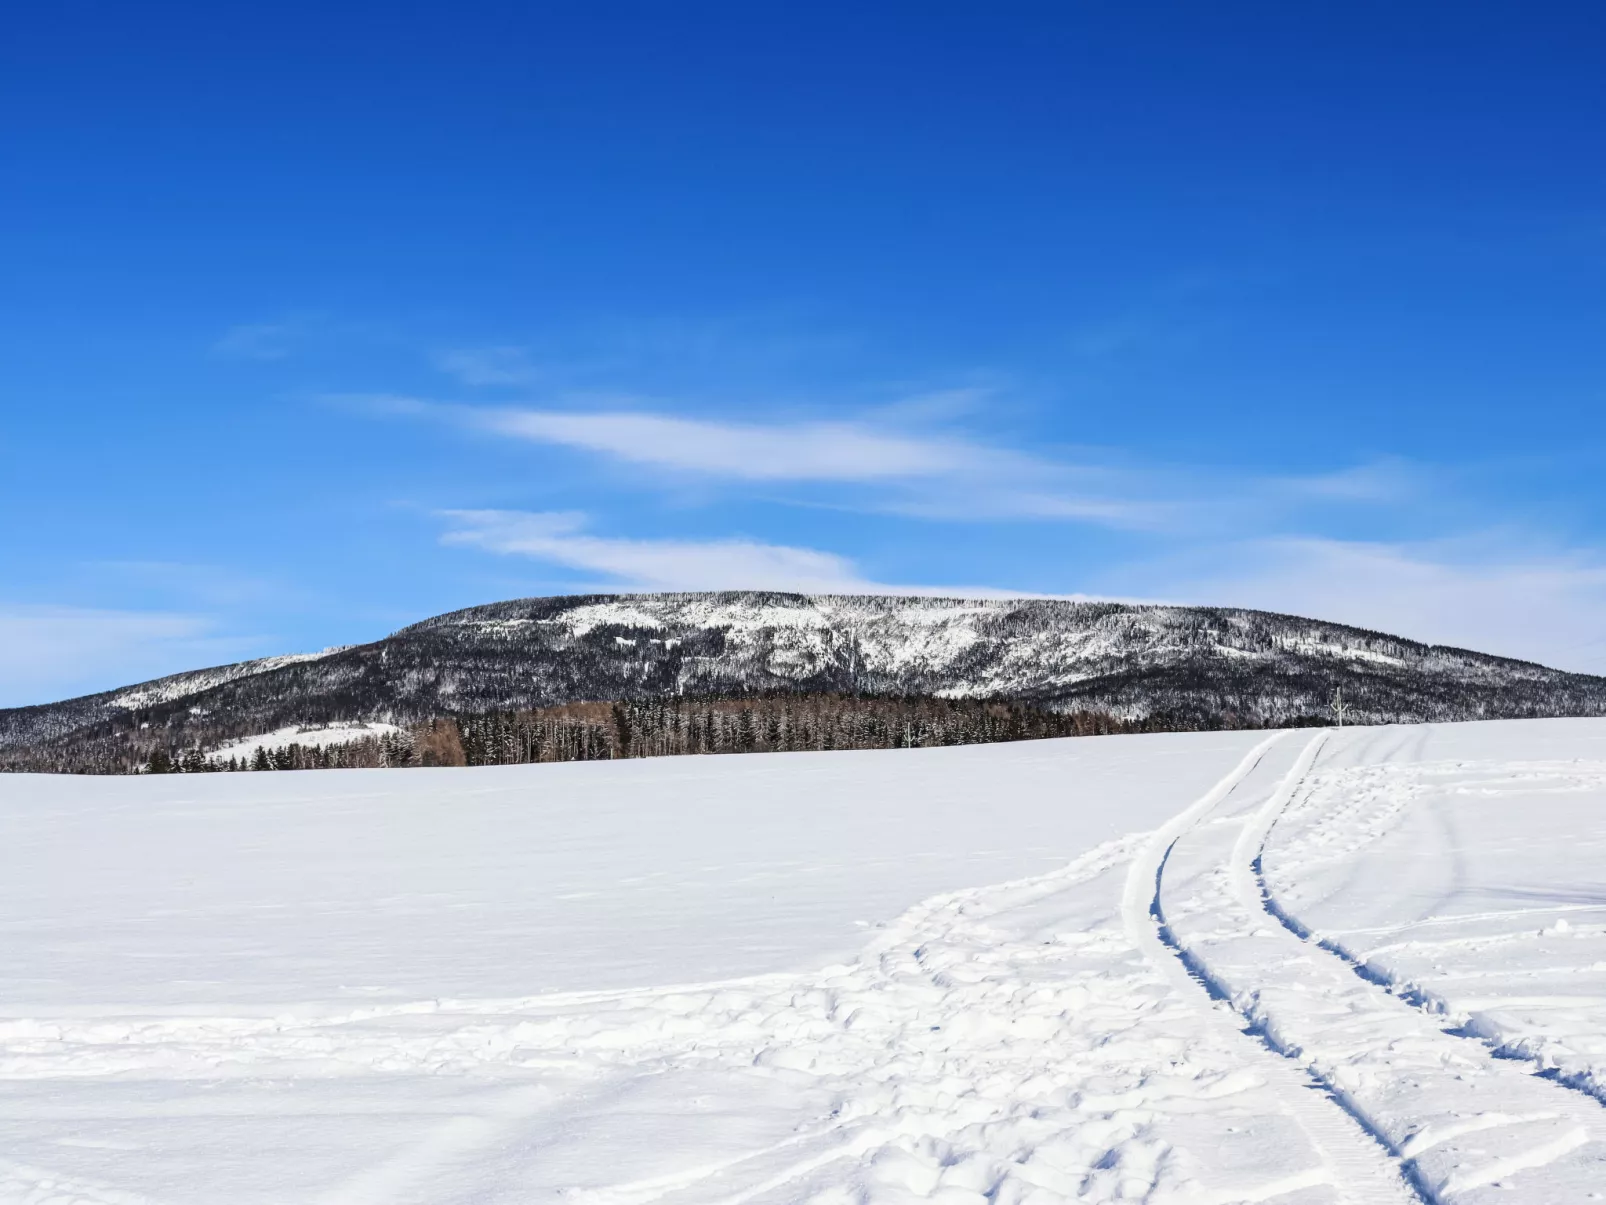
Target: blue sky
x: 317, y: 320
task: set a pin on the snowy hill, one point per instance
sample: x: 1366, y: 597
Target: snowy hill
x: 1189, y: 666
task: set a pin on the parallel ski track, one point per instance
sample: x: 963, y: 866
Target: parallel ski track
x: 1250, y: 858
x: 1459, y: 1123
x: 1407, y: 993
x: 1361, y: 1169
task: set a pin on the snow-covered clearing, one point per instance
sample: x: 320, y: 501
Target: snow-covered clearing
x: 957, y: 975
x: 319, y: 737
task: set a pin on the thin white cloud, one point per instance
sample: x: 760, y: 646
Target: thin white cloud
x: 560, y: 538
x: 935, y: 476
x: 817, y: 451
x: 488, y: 365
x: 914, y: 470
x: 944, y: 476
x: 1490, y: 594
x: 1379, y: 481
x: 1001, y: 502
x: 257, y: 341
x: 49, y: 653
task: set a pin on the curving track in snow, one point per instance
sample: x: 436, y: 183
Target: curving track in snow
x: 1355, y: 1167
x: 1139, y: 1024
x: 1465, y: 871
x: 1470, y: 1127
x: 1002, y: 1045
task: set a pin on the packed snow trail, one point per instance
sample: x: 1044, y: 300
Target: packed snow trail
x: 1468, y: 876
x: 1355, y: 1165
x: 642, y: 984
x: 1005, y: 1044
x: 999, y: 1044
x: 1472, y: 1127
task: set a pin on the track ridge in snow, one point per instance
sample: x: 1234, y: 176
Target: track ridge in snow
x: 1407, y: 992
x: 1359, y: 1166
x: 1398, y: 1182
x: 1584, y: 1079
x: 996, y: 1045
x: 1133, y: 1025
x: 1468, y: 1127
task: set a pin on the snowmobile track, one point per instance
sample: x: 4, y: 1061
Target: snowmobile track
x: 1360, y: 1168
x: 1465, y: 1126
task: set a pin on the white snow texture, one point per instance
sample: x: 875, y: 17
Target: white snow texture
x: 318, y: 736
x: 1363, y: 966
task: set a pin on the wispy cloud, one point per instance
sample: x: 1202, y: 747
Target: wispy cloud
x: 560, y: 538
x: 916, y: 472
x: 920, y: 472
x: 257, y: 341
x: 906, y: 462
x: 1493, y: 593
x: 1389, y: 479
x: 999, y: 501
x: 489, y: 365
x: 816, y: 451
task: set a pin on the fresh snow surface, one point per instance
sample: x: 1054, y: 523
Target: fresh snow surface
x: 1198, y: 969
x: 319, y: 737
x: 272, y: 890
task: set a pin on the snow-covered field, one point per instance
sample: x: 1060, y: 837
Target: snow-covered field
x: 1366, y: 966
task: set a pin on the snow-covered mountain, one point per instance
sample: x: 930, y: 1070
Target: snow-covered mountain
x: 1183, y: 666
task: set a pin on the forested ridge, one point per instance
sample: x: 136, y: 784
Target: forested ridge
x: 1139, y: 667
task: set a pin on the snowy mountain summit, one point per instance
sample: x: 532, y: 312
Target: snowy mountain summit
x: 1184, y: 667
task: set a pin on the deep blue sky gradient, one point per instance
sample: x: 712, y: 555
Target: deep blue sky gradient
x: 1310, y: 298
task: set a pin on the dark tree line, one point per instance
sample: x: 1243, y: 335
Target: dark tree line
x: 769, y: 723
x: 777, y: 723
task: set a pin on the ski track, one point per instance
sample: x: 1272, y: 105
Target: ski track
x: 968, y: 1060
x: 1005, y: 1045
x: 1485, y: 971
x: 1471, y: 1127
x: 1358, y: 1169
x: 1152, y: 1022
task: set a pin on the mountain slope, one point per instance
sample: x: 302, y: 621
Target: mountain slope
x: 1194, y: 666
